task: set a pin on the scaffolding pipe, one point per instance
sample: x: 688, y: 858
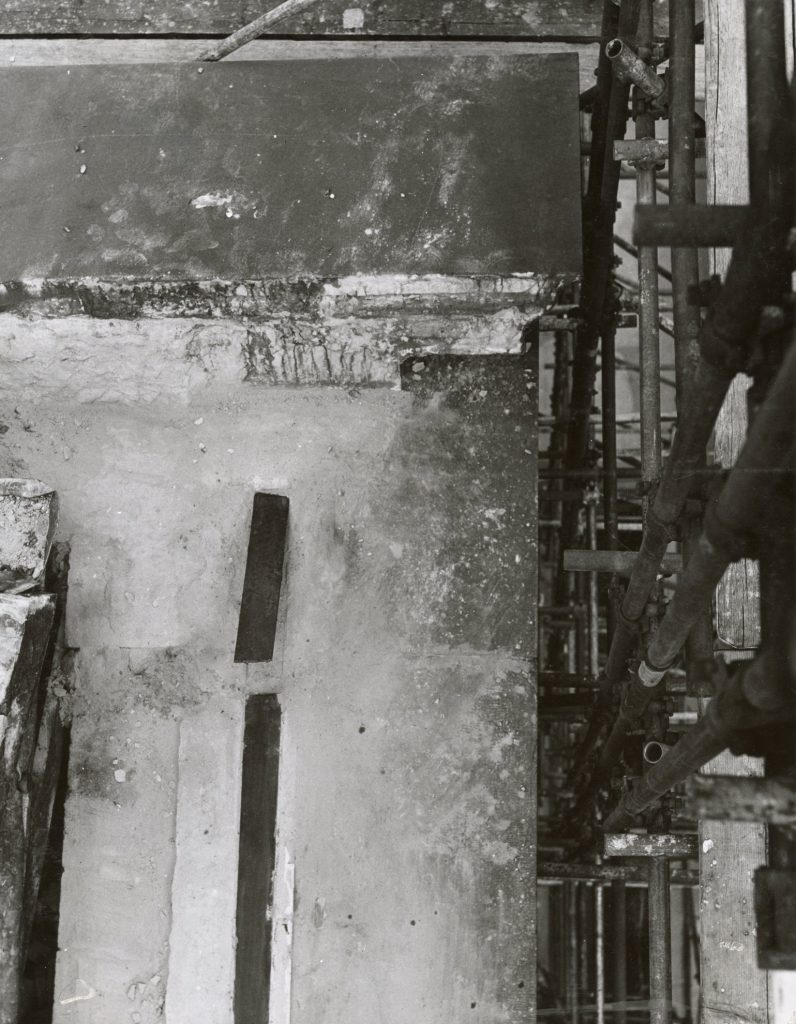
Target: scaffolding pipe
x: 593, y: 606
x: 648, y: 312
x: 599, y: 952
x: 768, y: 100
x: 630, y: 67
x: 608, y: 124
x: 619, y: 943
x: 682, y: 170
x: 734, y: 518
x: 725, y: 338
x: 572, y: 951
x: 685, y: 263
x: 753, y: 697
x: 610, y: 476
x: 660, y: 950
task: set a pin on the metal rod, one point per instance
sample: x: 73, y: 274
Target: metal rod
x: 608, y: 124
x: 581, y: 560
x: 682, y: 165
x: 631, y: 250
x: 630, y: 67
x: 724, y: 340
x: 767, y: 91
x: 599, y: 952
x: 593, y: 605
x: 685, y: 263
x: 751, y: 698
x: 764, y: 458
x: 610, y: 481
x: 553, y: 872
x: 690, y: 226
x: 619, y: 945
x: 649, y: 341
x: 255, y: 28
x: 660, y: 952
x: 571, y: 932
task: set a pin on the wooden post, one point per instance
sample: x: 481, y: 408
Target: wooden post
x: 738, y: 594
x: 732, y: 985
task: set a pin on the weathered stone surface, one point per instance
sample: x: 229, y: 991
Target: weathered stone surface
x: 404, y: 658
x: 358, y: 295
x: 387, y: 629
x: 450, y: 165
x: 520, y: 18
x: 202, y: 938
x: 175, y: 358
x: 118, y: 853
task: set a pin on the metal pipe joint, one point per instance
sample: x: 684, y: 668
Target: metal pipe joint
x: 629, y: 67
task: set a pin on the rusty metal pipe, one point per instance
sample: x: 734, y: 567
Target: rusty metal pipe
x: 685, y: 263
x: 649, y: 311
x: 654, y: 751
x: 753, y: 697
x: 608, y: 124
x: 682, y: 170
x: 724, y: 340
x: 660, y: 950
x: 610, y: 476
x: 768, y: 102
x: 619, y: 947
x: 599, y: 952
x: 630, y: 68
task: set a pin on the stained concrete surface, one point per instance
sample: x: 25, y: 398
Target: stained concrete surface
x: 295, y: 167
x: 403, y: 661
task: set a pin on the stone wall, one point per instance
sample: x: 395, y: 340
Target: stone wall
x: 405, y: 875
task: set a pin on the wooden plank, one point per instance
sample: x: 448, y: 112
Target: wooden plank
x: 509, y: 18
x: 732, y: 985
x: 621, y: 562
x: 461, y: 166
x: 257, y: 858
x: 733, y: 988
x: 632, y: 844
x: 262, y: 583
x: 730, y: 798
x: 24, y: 52
x: 738, y: 594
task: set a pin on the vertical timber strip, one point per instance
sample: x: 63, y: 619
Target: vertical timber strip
x: 257, y: 857
x: 732, y: 986
x: 263, y: 581
x: 738, y: 595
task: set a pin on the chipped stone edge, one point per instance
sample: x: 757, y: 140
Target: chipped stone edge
x: 358, y: 295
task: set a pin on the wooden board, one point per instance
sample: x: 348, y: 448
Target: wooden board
x: 733, y: 987
x: 463, y: 166
x: 262, y: 583
x: 517, y: 18
x: 738, y: 594
x: 257, y: 858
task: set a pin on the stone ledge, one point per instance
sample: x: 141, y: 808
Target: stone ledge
x: 174, y: 358
x: 266, y: 298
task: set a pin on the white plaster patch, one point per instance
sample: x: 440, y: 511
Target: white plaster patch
x: 353, y: 19
x: 79, y: 992
x: 210, y: 199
